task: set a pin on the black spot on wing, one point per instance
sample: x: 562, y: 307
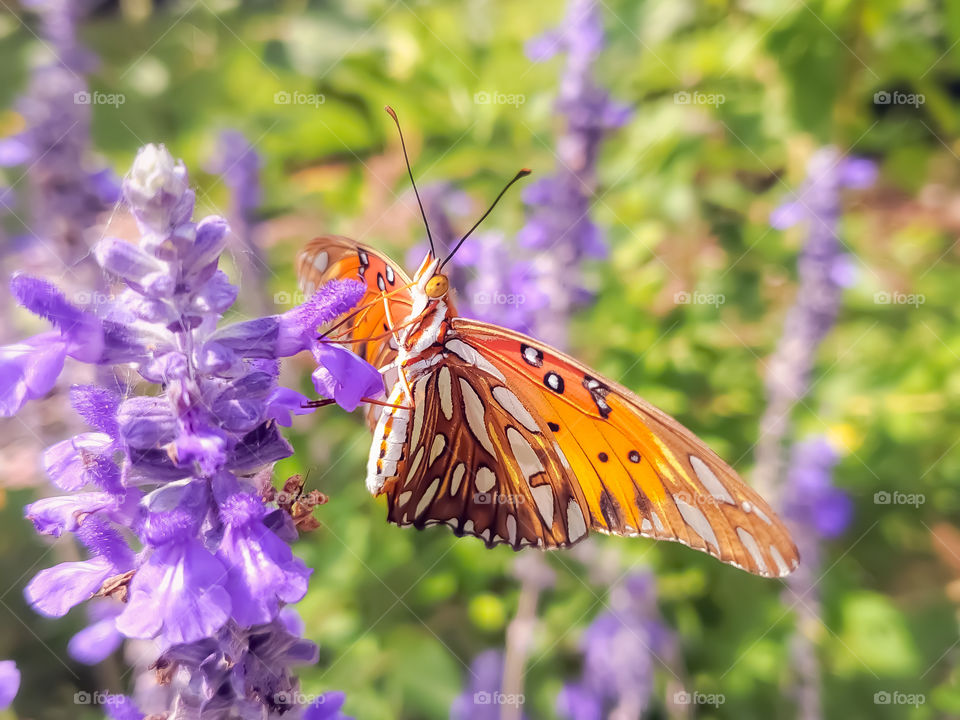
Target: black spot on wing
x: 553, y: 426
x: 532, y: 356
x: 633, y: 456
x: 598, y: 391
x: 553, y: 381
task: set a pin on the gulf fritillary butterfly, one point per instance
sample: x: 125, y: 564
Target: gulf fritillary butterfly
x: 504, y: 438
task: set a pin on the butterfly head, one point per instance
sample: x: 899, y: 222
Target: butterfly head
x: 432, y: 283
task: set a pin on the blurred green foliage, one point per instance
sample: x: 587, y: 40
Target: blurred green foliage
x: 685, y: 192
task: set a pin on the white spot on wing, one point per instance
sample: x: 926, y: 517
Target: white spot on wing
x: 750, y: 543
x: 656, y: 521
x: 415, y: 465
x: 457, y: 477
x: 485, y: 479
x: 512, y: 529
x: 404, y: 498
x: 543, y: 496
x: 470, y: 355
x: 427, y: 497
x: 474, y: 410
x: 439, y: 443
x: 320, y: 261
x: 710, y: 481
x: 512, y: 404
x: 697, y: 521
x: 446, y: 392
x: 419, y: 408
x: 576, y: 524
x: 778, y: 559
x: 645, y: 526
x: 524, y: 454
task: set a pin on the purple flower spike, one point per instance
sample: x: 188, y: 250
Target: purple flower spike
x: 9, y: 683
x: 177, y: 470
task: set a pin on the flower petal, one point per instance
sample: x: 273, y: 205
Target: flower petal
x: 55, y: 590
x: 344, y: 376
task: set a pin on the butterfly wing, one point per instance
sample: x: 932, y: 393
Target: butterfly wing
x: 475, y: 459
x: 612, y: 462
x: 334, y: 257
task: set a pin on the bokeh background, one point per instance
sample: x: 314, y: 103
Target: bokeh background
x: 693, y: 124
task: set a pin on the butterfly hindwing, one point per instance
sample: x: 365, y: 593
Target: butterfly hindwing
x: 477, y: 460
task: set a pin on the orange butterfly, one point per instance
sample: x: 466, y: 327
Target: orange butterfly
x: 504, y: 438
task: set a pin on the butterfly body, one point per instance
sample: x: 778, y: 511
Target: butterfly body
x: 504, y: 438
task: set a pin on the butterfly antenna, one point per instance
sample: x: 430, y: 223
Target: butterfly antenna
x: 406, y: 159
x: 522, y: 174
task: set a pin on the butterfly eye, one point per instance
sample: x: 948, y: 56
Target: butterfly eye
x: 437, y: 286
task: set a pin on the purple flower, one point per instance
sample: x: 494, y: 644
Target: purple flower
x: 9, y: 683
x: 344, y: 376
x: 68, y: 190
x: 326, y: 707
x: 559, y: 227
x: 477, y: 700
x: 810, y: 498
x: 263, y: 573
x: 621, y: 648
x: 96, y: 642
x: 178, y: 473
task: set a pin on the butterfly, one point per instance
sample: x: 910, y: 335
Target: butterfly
x: 504, y: 438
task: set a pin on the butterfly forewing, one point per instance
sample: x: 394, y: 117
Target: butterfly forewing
x: 641, y: 472
x: 385, y: 304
